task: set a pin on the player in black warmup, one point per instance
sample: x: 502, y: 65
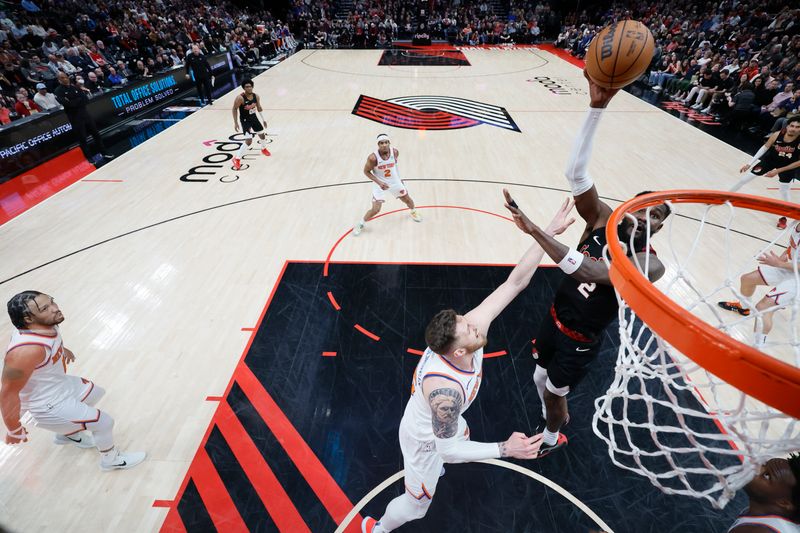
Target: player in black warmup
x: 570, y: 335
x: 245, y: 107
x: 780, y: 156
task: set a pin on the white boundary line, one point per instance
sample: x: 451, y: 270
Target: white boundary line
x: 496, y: 462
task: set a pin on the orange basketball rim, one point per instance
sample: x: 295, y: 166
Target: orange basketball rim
x: 754, y: 373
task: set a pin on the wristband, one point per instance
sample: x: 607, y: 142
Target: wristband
x: 571, y: 262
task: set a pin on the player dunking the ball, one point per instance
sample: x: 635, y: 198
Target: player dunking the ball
x: 444, y: 385
x: 245, y: 107
x: 569, y: 338
x: 35, y: 379
x: 381, y: 168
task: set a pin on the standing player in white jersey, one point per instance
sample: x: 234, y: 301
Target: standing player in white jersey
x: 777, y: 271
x: 35, y: 379
x: 381, y: 168
x: 445, y: 383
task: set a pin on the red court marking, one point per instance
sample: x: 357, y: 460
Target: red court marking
x: 101, y: 181
x: 495, y: 354
x: 209, y: 143
x: 309, y: 465
x: 367, y: 333
x: 200, y: 450
x: 214, y: 398
x: 163, y: 503
x: 334, y: 303
x: 215, y: 496
x: 414, y: 352
x: 777, y: 189
x: 328, y: 354
x: 273, y: 496
x: 340, y: 239
x: 30, y: 188
x: 563, y: 54
x: 173, y: 523
x: 248, y: 329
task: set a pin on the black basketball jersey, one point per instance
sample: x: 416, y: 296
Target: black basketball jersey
x: 587, y: 307
x: 782, y: 152
x: 248, y: 107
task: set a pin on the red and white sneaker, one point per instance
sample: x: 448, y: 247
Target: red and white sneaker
x: 237, y: 163
x: 368, y: 524
x: 781, y: 223
x: 265, y: 151
x: 547, y: 449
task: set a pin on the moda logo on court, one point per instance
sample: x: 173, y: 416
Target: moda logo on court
x: 557, y: 85
x: 433, y: 113
x: 218, y: 164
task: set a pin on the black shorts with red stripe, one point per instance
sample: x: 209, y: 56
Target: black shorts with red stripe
x: 564, y: 353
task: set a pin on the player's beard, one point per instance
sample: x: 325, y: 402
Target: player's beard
x: 624, y: 230
x: 59, y: 318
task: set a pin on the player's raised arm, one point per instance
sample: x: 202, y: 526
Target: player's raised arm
x: 446, y: 402
x: 593, y: 210
x: 520, y: 277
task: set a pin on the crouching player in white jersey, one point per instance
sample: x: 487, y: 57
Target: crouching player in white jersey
x: 445, y: 383
x: 774, y: 270
x: 381, y: 168
x: 35, y: 379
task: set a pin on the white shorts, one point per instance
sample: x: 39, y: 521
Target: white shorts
x: 396, y: 187
x: 70, y: 415
x: 422, y: 463
x: 783, y: 282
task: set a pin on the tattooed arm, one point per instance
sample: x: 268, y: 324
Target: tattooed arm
x: 17, y: 369
x: 446, y: 403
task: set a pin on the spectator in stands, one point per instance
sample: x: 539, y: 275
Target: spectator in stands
x: 114, y: 78
x: 741, y: 105
x: 74, y: 100
x: 24, y: 106
x: 5, y: 113
x: 91, y: 83
x: 45, y: 100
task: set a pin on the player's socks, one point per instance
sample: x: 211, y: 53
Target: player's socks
x: 242, y: 149
x: 761, y: 339
x: 747, y: 178
x: 550, y: 438
x: 263, y: 144
x: 785, y: 191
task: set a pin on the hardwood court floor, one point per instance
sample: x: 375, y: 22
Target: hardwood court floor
x: 157, y: 277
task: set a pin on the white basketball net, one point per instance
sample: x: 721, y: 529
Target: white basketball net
x: 664, y: 416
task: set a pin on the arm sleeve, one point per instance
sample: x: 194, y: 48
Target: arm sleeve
x: 454, y: 450
x: 758, y: 155
x: 577, y: 167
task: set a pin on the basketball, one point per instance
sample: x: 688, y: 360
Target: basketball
x: 619, y: 54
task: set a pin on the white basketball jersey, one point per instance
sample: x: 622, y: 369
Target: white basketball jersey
x: 417, y: 417
x: 770, y: 523
x: 387, y: 168
x: 794, y: 238
x: 48, y: 383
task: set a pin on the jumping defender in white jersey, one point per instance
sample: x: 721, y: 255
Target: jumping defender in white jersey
x: 35, y: 379
x: 445, y: 383
x: 381, y: 168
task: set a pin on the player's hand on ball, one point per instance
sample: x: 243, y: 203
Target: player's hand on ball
x: 18, y: 436
x: 522, y: 221
x: 599, y: 97
x: 561, y: 220
x: 520, y: 446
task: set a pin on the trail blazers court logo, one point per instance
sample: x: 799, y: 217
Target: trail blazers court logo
x: 433, y: 113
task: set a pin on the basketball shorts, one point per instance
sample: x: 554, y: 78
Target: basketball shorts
x: 422, y: 463
x: 763, y: 167
x: 566, y: 359
x: 396, y: 188
x: 71, y: 414
x: 784, y: 284
x: 251, y: 126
